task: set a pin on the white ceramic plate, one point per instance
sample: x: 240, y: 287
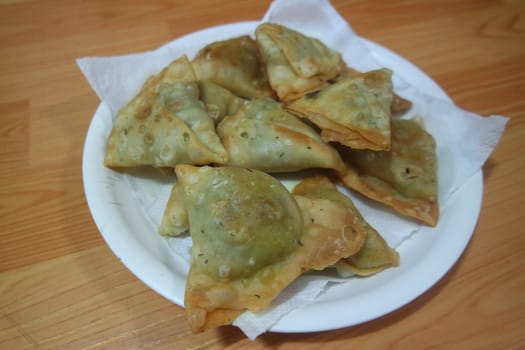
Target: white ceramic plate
x: 131, y: 234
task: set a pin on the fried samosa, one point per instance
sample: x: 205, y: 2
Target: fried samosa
x: 375, y: 254
x: 252, y: 238
x: 175, y: 220
x: 236, y: 65
x: 219, y: 101
x: 243, y: 224
x: 263, y: 136
x: 399, y: 104
x: 297, y: 64
x: 165, y: 124
x: 404, y: 178
x: 354, y: 111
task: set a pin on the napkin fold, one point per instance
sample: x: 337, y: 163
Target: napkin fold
x: 464, y: 139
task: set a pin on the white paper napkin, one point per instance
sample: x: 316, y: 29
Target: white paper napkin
x: 463, y: 148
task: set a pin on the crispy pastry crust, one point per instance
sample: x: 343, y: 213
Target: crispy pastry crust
x: 404, y: 178
x: 296, y: 64
x: 354, y: 111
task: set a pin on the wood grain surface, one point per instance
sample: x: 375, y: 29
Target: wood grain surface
x: 62, y: 288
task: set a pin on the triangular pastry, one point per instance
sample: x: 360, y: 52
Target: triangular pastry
x: 252, y: 238
x: 219, y: 101
x: 399, y: 104
x: 175, y: 221
x: 296, y: 64
x: 236, y: 65
x: 165, y: 124
x: 404, y: 178
x: 264, y: 136
x: 374, y: 254
x: 354, y: 111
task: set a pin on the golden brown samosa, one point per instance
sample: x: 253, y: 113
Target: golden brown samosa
x: 404, y: 178
x: 165, y: 124
x: 374, y: 254
x: 399, y: 104
x: 236, y: 65
x: 219, y: 101
x: 252, y: 238
x: 264, y: 136
x: 354, y: 111
x: 297, y: 64
x: 175, y: 220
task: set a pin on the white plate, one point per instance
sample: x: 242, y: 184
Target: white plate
x: 129, y: 232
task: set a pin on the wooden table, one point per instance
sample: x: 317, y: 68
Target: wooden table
x: 62, y: 288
